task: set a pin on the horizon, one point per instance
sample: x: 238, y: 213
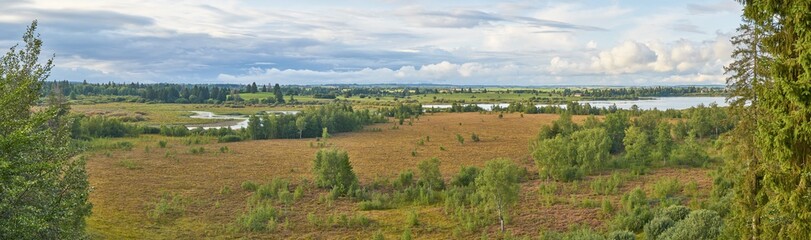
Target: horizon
x: 471, y: 43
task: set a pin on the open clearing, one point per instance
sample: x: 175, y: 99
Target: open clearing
x: 128, y: 183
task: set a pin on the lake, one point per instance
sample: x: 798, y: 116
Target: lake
x: 230, y: 121
x: 662, y: 103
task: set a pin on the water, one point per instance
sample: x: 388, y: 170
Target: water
x: 241, y: 124
x: 662, y: 103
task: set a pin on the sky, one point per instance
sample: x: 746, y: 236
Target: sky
x: 473, y: 42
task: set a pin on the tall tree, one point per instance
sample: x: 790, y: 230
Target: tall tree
x: 498, y: 184
x: 277, y: 91
x: 778, y: 182
x: 43, y: 187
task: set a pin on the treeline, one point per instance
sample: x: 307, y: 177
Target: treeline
x: 312, y: 122
x: 164, y: 92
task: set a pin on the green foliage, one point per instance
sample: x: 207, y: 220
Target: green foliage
x: 162, y: 143
x: 689, y: 153
x: 460, y: 139
x: 582, y: 233
x: 249, y: 186
x: 430, y: 177
x: 43, y: 188
x: 666, y: 188
x: 568, y: 158
x: 229, y: 138
x: 637, y: 147
x: 498, y: 184
x: 412, y: 219
x: 316, y: 121
x: 466, y: 176
x: 615, y: 125
x: 405, y: 179
x: 607, y: 185
x: 675, y: 212
x: 406, y: 234
x: 260, y: 217
x: 168, y: 207
x: 657, y: 226
x: 635, y: 212
x: 333, y: 170
x: 474, y: 137
x: 622, y: 235
x: 699, y: 225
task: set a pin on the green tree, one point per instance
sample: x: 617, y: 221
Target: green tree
x: 664, y: 141
x: 255, y: 127
x: 637, y: 146
x: 498, y: 184
x: 277, y: 92
x: 615, y: 125
x: 430, y: 176
x: 301, y: 124
x: 44, y: 188
x: 776, y: 183
x: 333, y: 170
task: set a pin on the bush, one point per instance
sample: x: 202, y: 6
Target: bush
x: 465, y: 177
x: 689, y: 153
x: 607, y: 185
x: 229, y: 138
x: 162, y: 143
x: 274, y: 189
x: 405, y: 179
x: 333, y: 170
x: 583, y: 234
x: 474, y: 137
x: 675, y: 212
x: 168, y: 206
x: 249, y: 186
x: 622, y: 235
x: 635, y: 212
x: 460, y: 139
x: 430, y: 177
x: 657, y: 226
x: 698, y: 225
x: 666, y: 188
x: 258, y: 218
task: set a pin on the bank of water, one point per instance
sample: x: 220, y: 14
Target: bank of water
x: 662, y: 103
x: 228, y: 121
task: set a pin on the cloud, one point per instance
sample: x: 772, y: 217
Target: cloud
x: 516, y: 43
x: 714, y: 8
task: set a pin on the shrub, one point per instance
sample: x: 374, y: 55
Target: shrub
x: 635, y: 212
x: 412, y: 219
x: 405, y: 179
x: 258, y: 218
x: 666, y: 188
x: 333, y: 170
x: 274, y: 189
x: 162, y: 143
x: 582, y: 234
x: 465, y: 177
x: 430, y: 177
x: 406, y: 234
x: 698, y: 225
x: 689, y: 153
x: 622, y: 235
x: 249, y: 186
x: 657, y: 226
x: 459, y: 138
x: 607, y: 185
x: 474, y: 137
x: 229, y: 138
x: 378, y: 236
x: 675, y: 212
x: 168, y: 206
x: 606, y: 207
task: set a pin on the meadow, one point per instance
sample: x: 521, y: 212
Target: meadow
x: 160, y: 187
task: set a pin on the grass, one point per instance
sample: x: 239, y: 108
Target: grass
x: 123, y: 198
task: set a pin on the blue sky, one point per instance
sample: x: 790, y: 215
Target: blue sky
x: 384, y: 41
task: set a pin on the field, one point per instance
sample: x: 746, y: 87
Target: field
x: 198, y: 180
x: 431, y: 98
